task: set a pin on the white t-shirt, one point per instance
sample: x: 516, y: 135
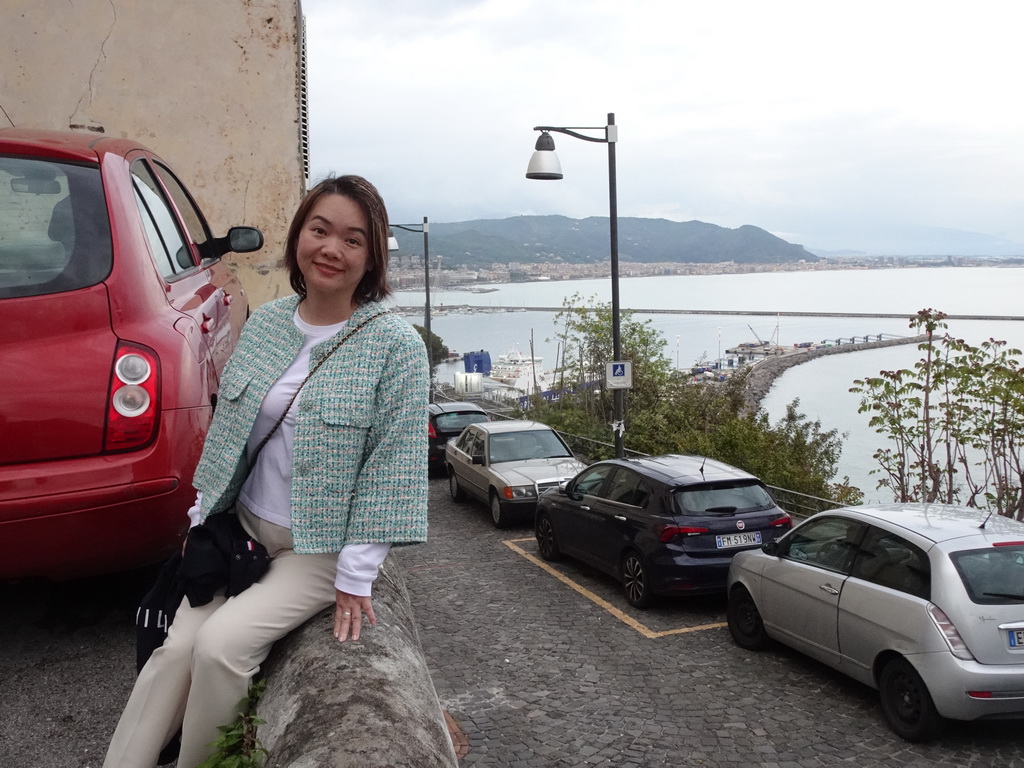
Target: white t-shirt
x: 267, y: 490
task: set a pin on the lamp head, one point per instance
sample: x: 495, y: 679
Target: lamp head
x: 544, y: 163
x: 392, y: 240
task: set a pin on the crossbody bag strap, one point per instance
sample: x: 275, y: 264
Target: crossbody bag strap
x: 314, y: 369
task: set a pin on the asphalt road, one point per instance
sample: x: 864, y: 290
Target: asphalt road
x: 67, y: 664
x: 538, y: 666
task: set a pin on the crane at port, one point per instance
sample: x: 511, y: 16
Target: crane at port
x: 774, y: 339
x: 760, y: 341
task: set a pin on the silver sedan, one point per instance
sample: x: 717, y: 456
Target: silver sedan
x: 923, y: 602
x: 507, y: 465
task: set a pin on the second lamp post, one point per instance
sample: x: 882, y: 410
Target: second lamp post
x: 544, y: 165
x: 425, y: 229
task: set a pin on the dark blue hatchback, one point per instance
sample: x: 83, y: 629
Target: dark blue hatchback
x: 662, y: 525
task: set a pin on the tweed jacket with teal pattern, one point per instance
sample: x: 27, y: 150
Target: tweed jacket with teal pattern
x: 359, y: 470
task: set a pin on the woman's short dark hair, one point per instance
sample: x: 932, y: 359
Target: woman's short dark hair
x: 374, y: 286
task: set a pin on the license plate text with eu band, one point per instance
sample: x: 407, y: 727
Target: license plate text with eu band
x: 737, y: 539
x: 1016, y: 638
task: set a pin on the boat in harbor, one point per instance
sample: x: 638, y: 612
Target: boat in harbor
x: 511, y: 376
x: 513, y: 366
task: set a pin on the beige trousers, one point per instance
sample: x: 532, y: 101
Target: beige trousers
x: 196, y: 679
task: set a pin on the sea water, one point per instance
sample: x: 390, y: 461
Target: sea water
x: 821, y: 385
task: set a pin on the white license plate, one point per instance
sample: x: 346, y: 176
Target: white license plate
x: 737, y: 540
x: 1016, y: 638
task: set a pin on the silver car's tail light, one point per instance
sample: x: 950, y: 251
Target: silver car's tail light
x: 949, y: 633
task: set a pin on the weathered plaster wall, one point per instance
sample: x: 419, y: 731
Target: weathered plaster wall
x: 212, y: 87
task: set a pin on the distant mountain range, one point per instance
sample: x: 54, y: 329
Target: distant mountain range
x: 553, y: 239
x: 912, y: 240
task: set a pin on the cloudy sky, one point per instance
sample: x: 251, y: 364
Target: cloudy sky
x: 865, y: 126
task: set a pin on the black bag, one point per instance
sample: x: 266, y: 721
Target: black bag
x: 155, y: 614
x: 156, y: 611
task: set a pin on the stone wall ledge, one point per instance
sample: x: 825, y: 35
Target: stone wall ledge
x: 369, y: 703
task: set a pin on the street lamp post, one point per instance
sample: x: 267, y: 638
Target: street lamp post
x: 544, y: 165
x: 425, y: 229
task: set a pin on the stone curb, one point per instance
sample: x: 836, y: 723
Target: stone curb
x: 369, y: 703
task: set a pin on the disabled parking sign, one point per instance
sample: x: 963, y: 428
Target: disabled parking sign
x: 619, y: 375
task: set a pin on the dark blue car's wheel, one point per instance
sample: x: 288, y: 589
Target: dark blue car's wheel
x: 546, y: 542
x: 636, y: 584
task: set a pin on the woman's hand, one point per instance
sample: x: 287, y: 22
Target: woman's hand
x: 348, y: 615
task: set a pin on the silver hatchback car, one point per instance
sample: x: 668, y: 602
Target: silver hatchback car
x: 923, y: 602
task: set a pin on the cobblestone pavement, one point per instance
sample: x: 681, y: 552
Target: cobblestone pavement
x: 536, y: 673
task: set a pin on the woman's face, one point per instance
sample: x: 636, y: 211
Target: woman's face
x: 332, y: 251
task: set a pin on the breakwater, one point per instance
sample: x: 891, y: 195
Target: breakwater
x: 469, y: 308
x: 764, y: 372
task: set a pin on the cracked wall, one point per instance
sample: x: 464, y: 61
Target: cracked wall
x: 209, y: 86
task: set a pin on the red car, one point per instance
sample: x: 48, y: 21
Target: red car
x: 118, y: 314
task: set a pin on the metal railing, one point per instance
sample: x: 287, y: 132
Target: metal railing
x: 802, y: 504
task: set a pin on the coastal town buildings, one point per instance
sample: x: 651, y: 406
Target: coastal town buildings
x: 407, y: 270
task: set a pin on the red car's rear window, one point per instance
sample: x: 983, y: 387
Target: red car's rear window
x: 54, y: 231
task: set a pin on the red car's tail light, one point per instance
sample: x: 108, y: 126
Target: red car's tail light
x: 785, y: 521
x: 668, y: 532
x: 431, y: 432
x: 132, y: 406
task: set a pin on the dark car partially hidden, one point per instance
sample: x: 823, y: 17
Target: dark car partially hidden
x: 445, y: 421
x: 664, y: 525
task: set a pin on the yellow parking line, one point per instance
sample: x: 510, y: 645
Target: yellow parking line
x: 623, y: 617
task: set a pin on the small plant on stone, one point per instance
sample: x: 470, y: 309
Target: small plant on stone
x: 237, y: 745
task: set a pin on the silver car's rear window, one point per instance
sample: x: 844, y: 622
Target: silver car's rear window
x: 54, y: 230
x: 992, y: 575
x: 723, y: 498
